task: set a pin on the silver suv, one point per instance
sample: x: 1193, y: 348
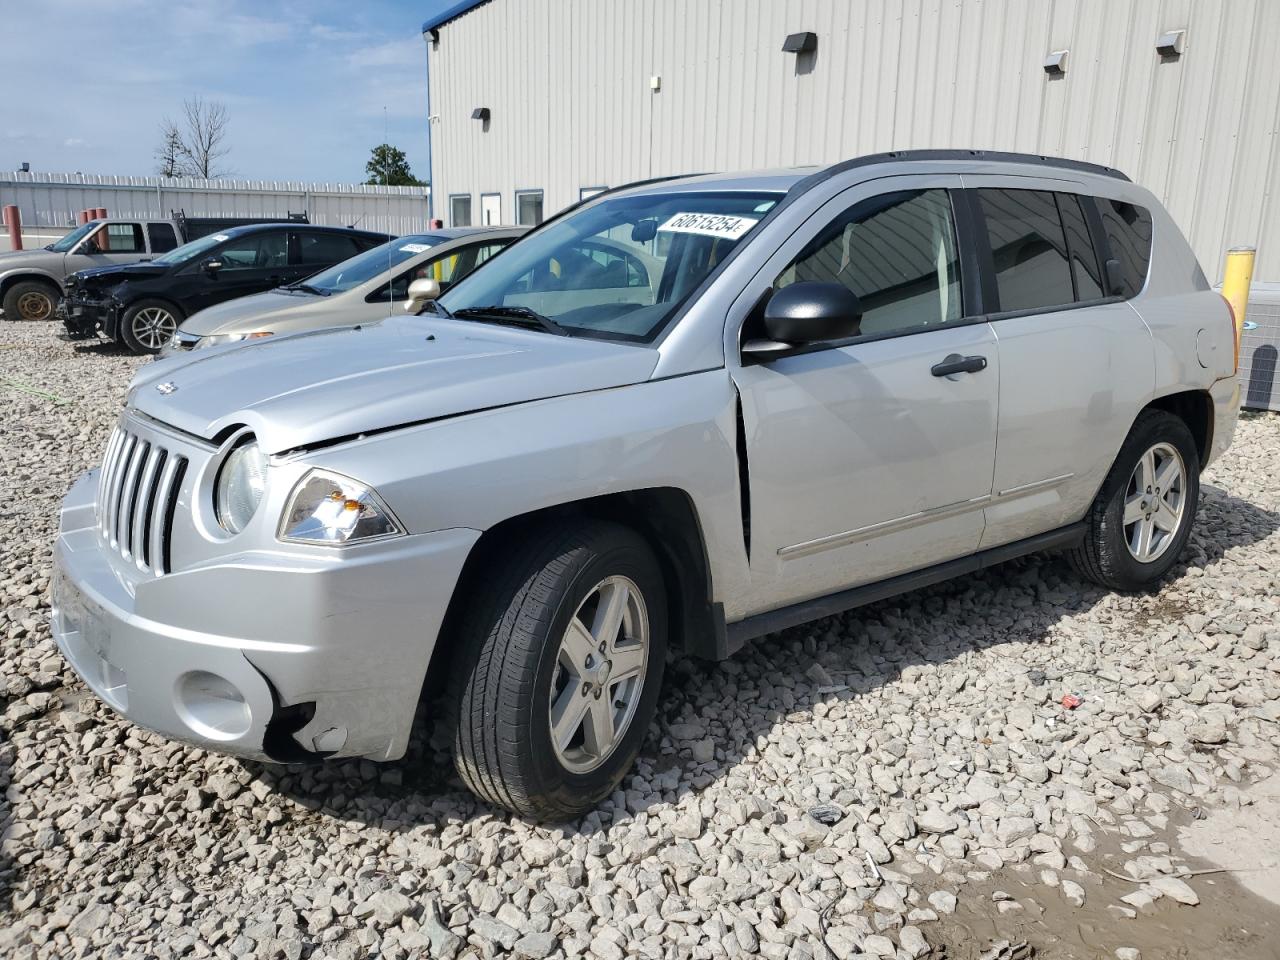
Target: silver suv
x: 681, y: 415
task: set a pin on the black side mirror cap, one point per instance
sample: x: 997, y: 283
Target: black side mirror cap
x: 811, y: 312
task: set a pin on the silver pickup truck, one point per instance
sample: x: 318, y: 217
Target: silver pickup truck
x: 33, y: 281
x: 682, y: 415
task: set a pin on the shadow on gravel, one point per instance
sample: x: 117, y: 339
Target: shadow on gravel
x: 1020, y: 601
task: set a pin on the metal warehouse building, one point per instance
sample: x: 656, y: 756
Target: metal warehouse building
x: 535, y: 104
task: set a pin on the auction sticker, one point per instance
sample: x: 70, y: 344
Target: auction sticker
x: 709, y: 225
x: 415, y: 248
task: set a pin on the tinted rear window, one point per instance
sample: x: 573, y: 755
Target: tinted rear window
x: 163, y: 239
x: 1029, y: 248
x: 1128, y: 231
x: 1084, y: 259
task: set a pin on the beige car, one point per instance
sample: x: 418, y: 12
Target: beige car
x: 365, y: 288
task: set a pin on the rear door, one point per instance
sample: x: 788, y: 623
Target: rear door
x: 250, y: 263
x: 865, y: 458
x: 1076, y: 366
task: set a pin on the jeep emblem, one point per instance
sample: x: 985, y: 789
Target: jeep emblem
x: 167, y: 387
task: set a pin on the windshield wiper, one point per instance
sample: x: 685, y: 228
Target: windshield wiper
x: 516, y: 316
x: 306, y: 288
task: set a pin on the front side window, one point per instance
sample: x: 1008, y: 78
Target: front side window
x: 460, y: 210
x: 1029, y: 248
x: 446, y: 270
x: 897, y: 252
x: 162, y: 237
x: 617, y: 269
x: 120, y: 238
x: 256, y: 251
x: 1128, y: 230
x: 529, y: 208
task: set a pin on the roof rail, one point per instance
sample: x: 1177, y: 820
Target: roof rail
x: 1002, y: 156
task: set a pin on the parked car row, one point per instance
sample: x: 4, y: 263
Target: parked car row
x: 683, y: 414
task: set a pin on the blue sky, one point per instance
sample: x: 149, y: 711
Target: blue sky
x: 305, y: 83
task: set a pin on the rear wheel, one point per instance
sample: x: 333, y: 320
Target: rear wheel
x: 31, y: 300
x: 147, y: 325
x: 1142, y: 517
x: 562, y: 664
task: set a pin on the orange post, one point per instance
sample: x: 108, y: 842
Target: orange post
x: 13, y: 220
x: 83, y: 217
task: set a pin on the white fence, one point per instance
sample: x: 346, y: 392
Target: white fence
x: 55, y: 199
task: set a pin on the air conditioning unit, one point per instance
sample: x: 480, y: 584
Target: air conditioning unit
x: 1259, y: 345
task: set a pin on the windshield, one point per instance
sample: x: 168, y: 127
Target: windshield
x: 74, y: 237
x: 619, y: 268
x: 193, y: 249
x: 365, y: 266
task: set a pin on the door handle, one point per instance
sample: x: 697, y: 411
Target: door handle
x: 954, y: 363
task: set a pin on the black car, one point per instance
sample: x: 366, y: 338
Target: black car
x: 141, y: 304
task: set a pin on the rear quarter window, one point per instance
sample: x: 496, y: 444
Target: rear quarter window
x: 1127, y: 227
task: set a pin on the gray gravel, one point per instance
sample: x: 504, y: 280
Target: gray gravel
x: 854, y: 779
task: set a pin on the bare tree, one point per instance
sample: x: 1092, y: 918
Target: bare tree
x: 169, y: 157
x: 197, y: 148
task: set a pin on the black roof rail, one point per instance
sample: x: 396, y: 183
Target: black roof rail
x: 1001, y: 156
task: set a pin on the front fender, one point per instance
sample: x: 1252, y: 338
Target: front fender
x: 480, y: 469
x: 18, y: 274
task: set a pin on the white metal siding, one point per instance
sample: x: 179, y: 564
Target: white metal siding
x: 567, y: 82
x: 54, y: 199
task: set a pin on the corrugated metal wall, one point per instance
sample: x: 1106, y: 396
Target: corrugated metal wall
x: 567, y: 84
x: 53, y: 200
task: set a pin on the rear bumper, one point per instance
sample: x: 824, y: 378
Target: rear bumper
x: 1226, y: 412
x: 261, y: 655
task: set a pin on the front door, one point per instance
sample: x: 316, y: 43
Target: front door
x: 490, y: 209
x: 867, y: 458
x: 110, y: 244
x: 251, y: 263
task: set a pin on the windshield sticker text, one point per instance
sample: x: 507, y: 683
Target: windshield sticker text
x: 415, y: 248
x: 709, y: 225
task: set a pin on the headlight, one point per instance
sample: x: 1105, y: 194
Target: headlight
x: 328, y: 508
x: 241, y: 483
x: 217, y: 339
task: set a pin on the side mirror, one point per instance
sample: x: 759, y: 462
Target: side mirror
x: 807, y: 312
x: 212, y: 265
x: 421, y: 292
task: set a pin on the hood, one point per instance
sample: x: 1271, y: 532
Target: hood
x: 231, y: 316
x: 29, y: 258
x: 112, y: 274
x: 305, y: 389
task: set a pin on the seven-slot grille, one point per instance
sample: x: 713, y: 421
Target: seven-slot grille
x: 137, y: 490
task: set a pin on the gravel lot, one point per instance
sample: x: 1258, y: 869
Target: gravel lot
x: 899, y: 781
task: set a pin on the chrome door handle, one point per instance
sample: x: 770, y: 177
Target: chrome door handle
x: 954, y: 363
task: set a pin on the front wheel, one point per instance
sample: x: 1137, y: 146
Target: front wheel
x: 562, y: 664
x: 30, y: 300
x: 1142, y: 517
x: 147, y: 325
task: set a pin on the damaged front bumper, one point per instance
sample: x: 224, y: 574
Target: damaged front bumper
x: 270, y: 656
x: 87, y: 319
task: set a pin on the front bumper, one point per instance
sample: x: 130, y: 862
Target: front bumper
x: 87, y: 319
x: 261, y: 651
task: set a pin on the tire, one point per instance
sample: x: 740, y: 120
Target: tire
x: 31, y: 300
x: 1113, y: 552
x: 513, y: 669
x: 147, y: 325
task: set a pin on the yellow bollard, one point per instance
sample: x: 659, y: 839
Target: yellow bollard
x: 1235, y: 285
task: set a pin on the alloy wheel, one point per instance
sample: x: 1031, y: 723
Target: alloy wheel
x: 1154, y: 502
x: 153, y: 326
x: 599, y: 674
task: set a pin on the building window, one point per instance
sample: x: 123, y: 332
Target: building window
x: 460, y: 210
x: 528, y: 207
x: 586, y: 193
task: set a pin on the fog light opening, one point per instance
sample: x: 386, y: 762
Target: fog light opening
x: 212, y: 706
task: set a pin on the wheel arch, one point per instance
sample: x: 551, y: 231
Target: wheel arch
x: 1195, y: 409
x: 29, y: 276
x: 667, y: 519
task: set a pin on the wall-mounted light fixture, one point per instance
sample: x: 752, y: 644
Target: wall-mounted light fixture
x: 481, y: 114
x: 655, y: 83
x: 1169, y: 44
x: 800, y: 43
x: 434, y: 34
x: 1055, y: 64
